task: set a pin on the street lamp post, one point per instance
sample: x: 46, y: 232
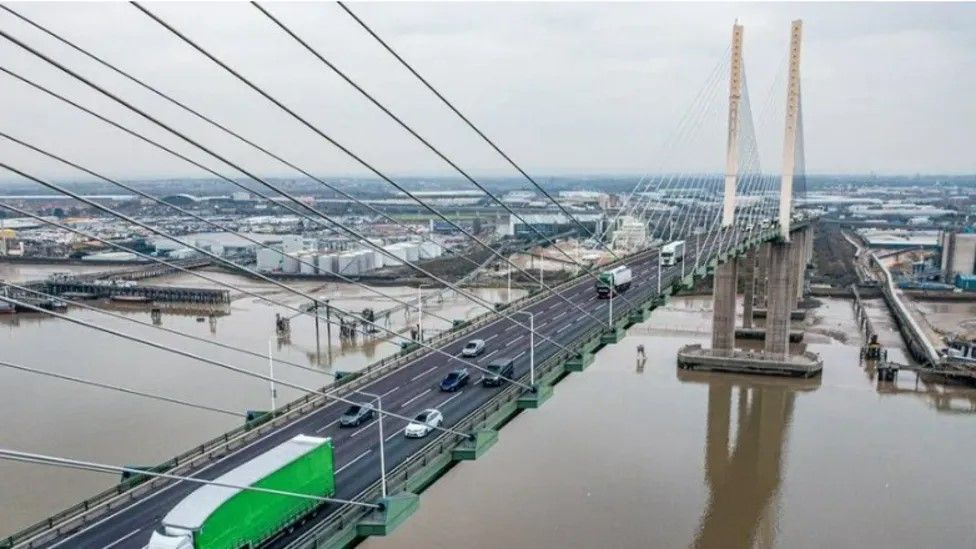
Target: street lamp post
x: 328, y: 329
x: 379, y: 411
x: 274, y: 390
x: 420, y: 313
x: 318, y: 346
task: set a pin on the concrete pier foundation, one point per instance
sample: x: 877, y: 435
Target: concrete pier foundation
x: 780, y: 299
x: 723, y: 308
x: 748, y: 270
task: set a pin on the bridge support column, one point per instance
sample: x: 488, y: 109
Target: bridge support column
x: 723, y: 308
x: 748, y: 268
x: 799, y: 263
x: 779, y: 300
x: 762, y: 267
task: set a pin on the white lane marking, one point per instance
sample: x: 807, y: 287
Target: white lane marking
x: 491, y: 338
x: 425, y: 372
x: 509, y: 328
x: 390, y: 391
x: 324, y: 427
x: 512, y: 342
x: 560, y: 315
x: 368, y: 425
x: 484, y: 358
x: 516, y: 357
x: 395, y: 433
x: 404, y: 405
x: 357, y: 458
x: 568, y: 324
x: 442, y: 404
x: 123, y: 538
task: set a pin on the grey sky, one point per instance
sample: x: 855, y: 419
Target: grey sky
x: 564, y: 87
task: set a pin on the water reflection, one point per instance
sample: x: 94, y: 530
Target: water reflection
x: 743, y: 468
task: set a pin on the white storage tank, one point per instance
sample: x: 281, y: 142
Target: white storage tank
x: 412, y: 251
x: 269, y: 259
x: 290, y: 264
x: 327, y: 263
x: 348, y: 263
x: 430, y: 250
x: 397, y: 251
x: 308, y: 264
x: 378, y: 258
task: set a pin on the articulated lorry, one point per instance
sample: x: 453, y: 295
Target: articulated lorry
x: 614, y: 281
x: 217, y: 517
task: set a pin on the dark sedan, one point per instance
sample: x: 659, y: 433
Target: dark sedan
x: 455, y: 380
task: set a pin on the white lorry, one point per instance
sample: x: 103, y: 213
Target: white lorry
x: 672, y: 253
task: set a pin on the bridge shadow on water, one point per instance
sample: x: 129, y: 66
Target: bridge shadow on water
x: 744, y: 450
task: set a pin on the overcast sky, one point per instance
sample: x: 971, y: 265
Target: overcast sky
x: 565, y: 88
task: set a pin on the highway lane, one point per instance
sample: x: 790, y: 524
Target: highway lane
x: 406, y: 391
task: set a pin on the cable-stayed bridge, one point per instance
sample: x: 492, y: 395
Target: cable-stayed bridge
x: 724, y: 223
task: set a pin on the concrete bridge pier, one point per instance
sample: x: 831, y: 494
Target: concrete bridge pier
x: 723, y: 308
x: 748, y: 268
x: 778, y: 298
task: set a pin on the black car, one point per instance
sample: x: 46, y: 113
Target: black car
x: 498, y: 371
x: 455, y: 380
x: 356, y: 415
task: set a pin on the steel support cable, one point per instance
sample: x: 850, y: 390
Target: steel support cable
x: 656, y: 219
x: 212, y: 362
x: 65, y: 377
x: 257, y: 179
x: 55, y: 461
x: 225, y: 129
x: 677, y: 135
x: 419, y: 137
x: 240, y: 267
x: 362, y: 162
x: 702, y: 114
x: 214, y: 342
x: 471, y: 125
x: 687, y: 127
x: 200, y: 218
x: 194, y: 163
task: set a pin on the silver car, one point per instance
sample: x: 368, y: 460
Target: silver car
x: 474, y: 348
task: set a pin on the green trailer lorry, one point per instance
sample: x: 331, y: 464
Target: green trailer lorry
x: 219, y: 517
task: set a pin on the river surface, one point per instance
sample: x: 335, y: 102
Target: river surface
x: 633, y: 457
x: 624, y: 455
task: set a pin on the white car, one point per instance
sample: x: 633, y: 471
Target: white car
x: 424, y: 423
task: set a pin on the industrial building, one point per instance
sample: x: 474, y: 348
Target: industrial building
x: 548, y: 224
x: 958, y: 255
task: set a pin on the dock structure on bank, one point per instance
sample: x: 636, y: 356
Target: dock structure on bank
x: 120, y: 285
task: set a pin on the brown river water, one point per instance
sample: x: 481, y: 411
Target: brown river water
x: 622, y: 455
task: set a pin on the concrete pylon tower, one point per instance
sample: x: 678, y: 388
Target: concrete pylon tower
x: 732, y: 148
x: 724, y: 280
x: 790, y: 137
